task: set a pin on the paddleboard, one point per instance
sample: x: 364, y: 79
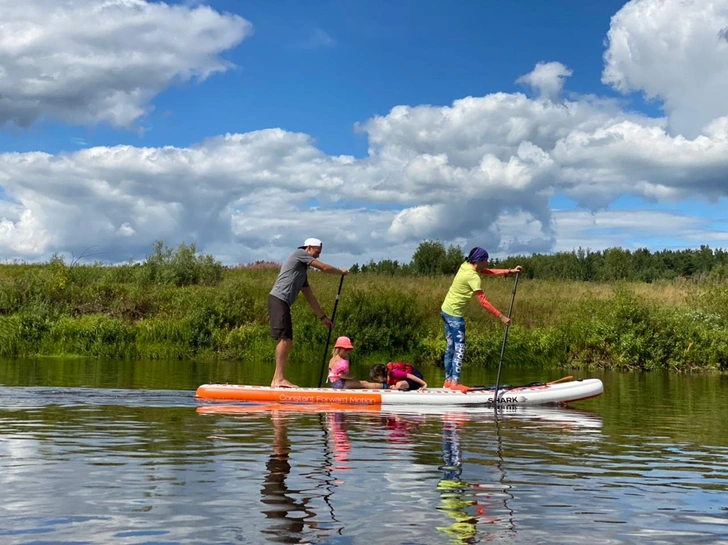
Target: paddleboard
x: 532, y: 394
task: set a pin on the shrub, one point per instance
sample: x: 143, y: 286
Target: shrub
x: 180, y: 267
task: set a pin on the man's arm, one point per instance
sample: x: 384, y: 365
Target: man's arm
x: 308, y: 294
x: 329, y: 269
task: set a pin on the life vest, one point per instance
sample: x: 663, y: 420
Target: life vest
x: 401, y: 366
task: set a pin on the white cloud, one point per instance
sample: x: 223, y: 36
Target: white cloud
x: 482, y: 170
x: 631, y: 230
x: 675, y: 51
x: 104, y: 60
x: 547, y: 78
x: 22, y: 233
x: 259, y: 194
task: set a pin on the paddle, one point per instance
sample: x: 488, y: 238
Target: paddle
x: 562, y: 379
x: 328, y: 338
x: 529, y: 385
x: 503, y: 346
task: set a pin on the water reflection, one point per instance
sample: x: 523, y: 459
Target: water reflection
x: 456, y: 495
x: 287, y: 515
x: 337, y: 427
x: 89, y: 465
x: 473, y: 497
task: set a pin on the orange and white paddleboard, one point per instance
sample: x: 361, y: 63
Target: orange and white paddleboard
x: 557, y: 392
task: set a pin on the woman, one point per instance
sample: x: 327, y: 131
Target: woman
x: 464, y: 285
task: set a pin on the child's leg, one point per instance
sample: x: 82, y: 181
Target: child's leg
x: 354, y: 384
x: 412, y: 384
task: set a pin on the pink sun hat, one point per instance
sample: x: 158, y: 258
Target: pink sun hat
x: 343, y: 342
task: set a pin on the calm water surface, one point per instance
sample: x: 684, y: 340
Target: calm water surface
x: 122, y: 452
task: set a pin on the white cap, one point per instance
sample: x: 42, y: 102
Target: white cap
x: 311, y: 242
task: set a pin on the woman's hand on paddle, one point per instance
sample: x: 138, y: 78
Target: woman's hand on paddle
x: 505, y: 319
x: 328, y: 323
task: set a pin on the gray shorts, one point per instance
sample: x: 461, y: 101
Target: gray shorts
x: 279, y: 315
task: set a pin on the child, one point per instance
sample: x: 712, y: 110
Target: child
x: 339, y: 363
x: 397, y: 376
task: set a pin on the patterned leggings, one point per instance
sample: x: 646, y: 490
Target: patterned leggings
x: 455, y: 335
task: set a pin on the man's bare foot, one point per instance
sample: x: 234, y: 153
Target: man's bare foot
x: 282, y: 384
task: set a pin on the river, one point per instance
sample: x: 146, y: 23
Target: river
x: 122, y: 452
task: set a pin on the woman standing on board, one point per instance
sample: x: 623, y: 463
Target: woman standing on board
x: 464, y: 285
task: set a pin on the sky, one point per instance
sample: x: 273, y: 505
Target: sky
x: 247, y: 126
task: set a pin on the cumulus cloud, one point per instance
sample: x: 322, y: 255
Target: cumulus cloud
x: 481, y: 170
x: 547, y: 79
x: 631, y: 230
x: 104, y: 60
x: 675, y: 51
x: 258, y: 194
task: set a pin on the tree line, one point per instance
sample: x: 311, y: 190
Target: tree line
x: 432, y: 258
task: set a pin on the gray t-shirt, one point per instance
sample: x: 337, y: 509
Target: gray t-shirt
x: 292, y: 277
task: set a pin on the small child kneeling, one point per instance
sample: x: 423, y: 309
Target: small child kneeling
x: 397, y: 376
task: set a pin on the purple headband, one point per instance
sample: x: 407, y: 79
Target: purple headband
x: 477, y: 254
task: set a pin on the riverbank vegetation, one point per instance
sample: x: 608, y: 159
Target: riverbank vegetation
x: 179, y: 304
x: 613, y: 264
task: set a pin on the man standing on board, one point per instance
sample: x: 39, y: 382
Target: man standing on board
x: 292, y: 278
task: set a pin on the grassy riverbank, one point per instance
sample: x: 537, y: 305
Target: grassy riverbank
x: 194, y: 308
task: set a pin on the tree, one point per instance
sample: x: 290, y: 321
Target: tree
x: 453, y: 259
x: 617, y: 264
x: 429, y: 258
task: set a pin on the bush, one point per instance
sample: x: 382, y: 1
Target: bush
x: 383, y: 322
x: 180, y: 267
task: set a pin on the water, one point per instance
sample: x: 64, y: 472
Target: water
x: 114, y: 452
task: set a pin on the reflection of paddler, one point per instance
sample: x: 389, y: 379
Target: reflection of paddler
x: 454, y: 492
x: 288, y: 515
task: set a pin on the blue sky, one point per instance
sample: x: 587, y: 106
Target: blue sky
x: 320, y: 67
x: 332, y: 71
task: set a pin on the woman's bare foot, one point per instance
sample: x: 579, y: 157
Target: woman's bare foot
x: 282, y: 384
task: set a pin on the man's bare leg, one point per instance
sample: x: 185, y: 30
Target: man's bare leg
x: 279, y: 377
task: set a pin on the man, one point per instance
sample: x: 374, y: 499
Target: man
x: 293, y: 278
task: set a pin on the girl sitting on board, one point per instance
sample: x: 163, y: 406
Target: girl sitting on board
x: 397, y: 376
x: 339, y: 363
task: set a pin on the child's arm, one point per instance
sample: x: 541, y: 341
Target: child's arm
x: 417, y: 380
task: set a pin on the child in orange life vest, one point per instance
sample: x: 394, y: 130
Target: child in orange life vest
x: 339, y: 363
x: 397, y: 376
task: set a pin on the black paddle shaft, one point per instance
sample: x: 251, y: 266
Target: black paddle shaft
x: 503, y: 346
x: 328, y: 338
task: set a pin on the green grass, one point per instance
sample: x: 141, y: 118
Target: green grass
x: 193, y: 308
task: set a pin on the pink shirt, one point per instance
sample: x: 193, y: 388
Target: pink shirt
x: 398, y: 374
x: 341, y: 367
